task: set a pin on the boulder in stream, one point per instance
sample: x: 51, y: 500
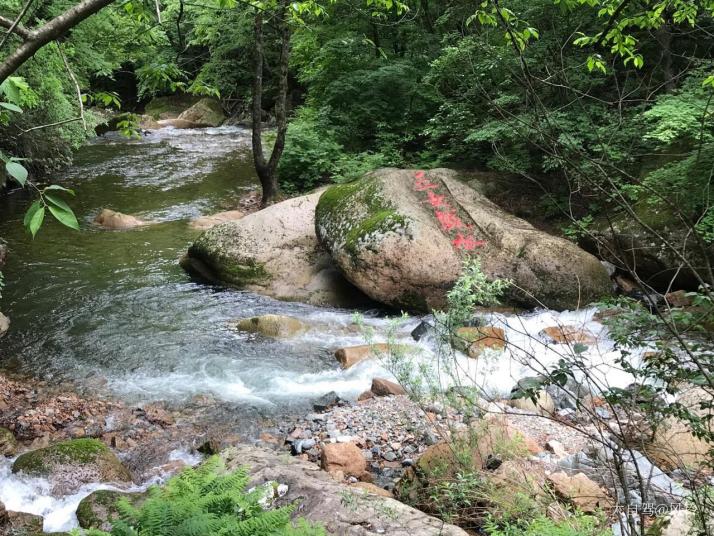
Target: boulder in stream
x: 19, y: 523
x: 402, y: 235
x: 110, y: 219
x: 205, y: 113
x: 274, y: 252
x: 70, y: 464
x: 99, y: 509
x: 277, y: 326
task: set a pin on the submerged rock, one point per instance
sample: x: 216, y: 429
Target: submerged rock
x: 476, y: 339
x: 177, y: 123
x: 340, y: 508
x: 568, y: 335
x: 70, y: 464
x: 110, y: 219
x: 401, y: 236
x: 205, y: 113
x: 278, y: 326
x: 274, y: 252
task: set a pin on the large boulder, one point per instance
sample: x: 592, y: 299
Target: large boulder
x: 275, y: 252
x: 205, y: 113
x: 340, y: 508
x: 578, y: 490
x: 673, y: 444
x: 402, y: 235
x: 70, y: 464
x: 171, y: 106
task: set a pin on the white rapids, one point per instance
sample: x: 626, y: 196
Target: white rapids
x: 20, y: 493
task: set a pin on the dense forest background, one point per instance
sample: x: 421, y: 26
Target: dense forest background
x: 589, y: 103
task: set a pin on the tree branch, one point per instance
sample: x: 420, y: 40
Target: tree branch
x: 48, y: 32
x: 14, y: 26
x: 611, y: 22
x: 76, y: 84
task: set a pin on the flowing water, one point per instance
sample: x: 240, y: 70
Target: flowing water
x: 114, y: 309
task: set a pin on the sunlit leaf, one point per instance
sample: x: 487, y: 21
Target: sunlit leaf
x: 17, y: 171
x: 11, y: 107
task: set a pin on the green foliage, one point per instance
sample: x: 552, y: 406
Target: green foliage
x: 471, y: 289
x: 575, y: 525
x: 207, y: 501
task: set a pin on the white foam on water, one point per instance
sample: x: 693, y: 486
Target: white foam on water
x: 527, y: 354
x: 179, y: 385
x: 32, y: 495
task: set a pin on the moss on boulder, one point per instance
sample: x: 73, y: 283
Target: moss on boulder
x: 99, y: 509
x: 401, y: 236
x: 275, y: 252
x: 70, y: 464
x: 205, y: 113
x: 170, y: 106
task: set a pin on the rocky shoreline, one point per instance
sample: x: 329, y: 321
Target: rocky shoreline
x: 372, y: 446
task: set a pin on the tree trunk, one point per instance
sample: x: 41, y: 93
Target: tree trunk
x: 664, y: 37
x: 34, y: 40
x: 266, y: 170
x: 427, y: 16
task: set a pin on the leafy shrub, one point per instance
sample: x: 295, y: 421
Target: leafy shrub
x: 576, y: 525
x: 206, y: 501
x: 311, y: 154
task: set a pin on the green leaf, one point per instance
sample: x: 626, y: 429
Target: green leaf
x: 36, y: 220
x: 58, y: 202
x: 61, y: 188
x: 17, y: 172
x: 11, y: 107
x: 65, y: 216
x: 34, y: 207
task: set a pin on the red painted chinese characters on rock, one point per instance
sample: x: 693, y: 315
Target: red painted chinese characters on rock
x: 446, y: 215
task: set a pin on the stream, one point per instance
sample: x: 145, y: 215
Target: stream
x: 113, y: 313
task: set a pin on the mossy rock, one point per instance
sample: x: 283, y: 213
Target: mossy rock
x: 170, y: 106
x: 275, y: 252
x: 8, y: 443
x: 211, y: 258
x: 277, y: 326
x: 402, y: 237
x: 99, y: 509
x: 20, y: 524
x: 206, y: 112
x: 70, y: 464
